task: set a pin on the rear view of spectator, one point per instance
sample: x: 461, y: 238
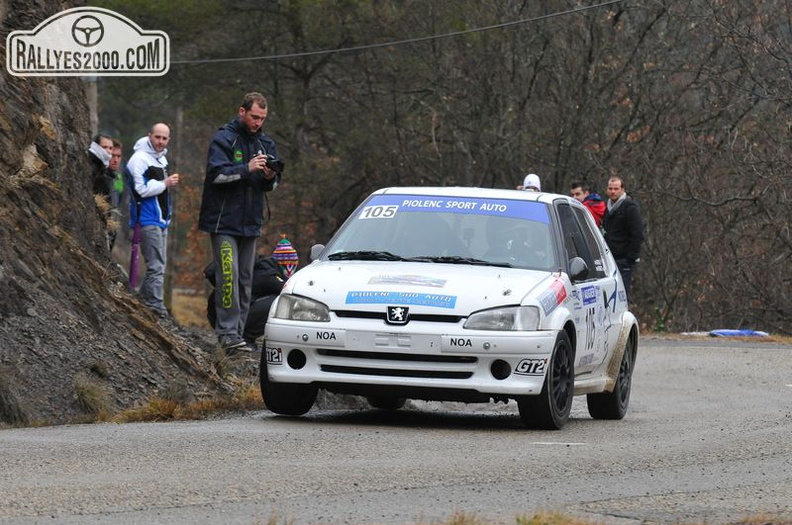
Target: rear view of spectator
x: 592, y: 201
x: 531, y: 183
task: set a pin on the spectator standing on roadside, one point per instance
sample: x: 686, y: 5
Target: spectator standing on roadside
x: 100, y: 154
x: 592, y: 201
x: 116, y: 192
x: 623, y: 227
x: 150, y: 205
x: 242, y: 164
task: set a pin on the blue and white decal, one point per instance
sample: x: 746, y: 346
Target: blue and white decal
x: 387, y: 206
x: 401, y: 298
x: 590, y: 294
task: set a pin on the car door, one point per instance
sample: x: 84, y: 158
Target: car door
x: 593, y: 294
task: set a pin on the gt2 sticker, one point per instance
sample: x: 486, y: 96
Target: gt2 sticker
x: 531, y: 367
x: 274, y: 355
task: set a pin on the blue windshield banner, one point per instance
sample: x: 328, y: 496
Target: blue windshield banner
x: 401, y: 298
x: 386, y: 206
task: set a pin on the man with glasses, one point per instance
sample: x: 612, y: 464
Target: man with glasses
x: 242, y: 164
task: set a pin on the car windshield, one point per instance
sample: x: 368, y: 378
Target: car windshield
x: 449, y: 230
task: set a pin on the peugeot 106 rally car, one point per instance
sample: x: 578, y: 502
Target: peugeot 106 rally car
x: 457, y: 294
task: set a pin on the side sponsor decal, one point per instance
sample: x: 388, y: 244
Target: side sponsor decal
x: 590, y: 294
x: 531, y: 367
x: 410, y: 280
x: 402, y: 298
x: 554, y: 296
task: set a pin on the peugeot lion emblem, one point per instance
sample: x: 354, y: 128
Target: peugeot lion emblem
x: 398, y: 315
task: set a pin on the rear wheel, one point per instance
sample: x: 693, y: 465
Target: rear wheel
x: 288, y: 399
x: 386, y: 402
x: 613, y: 405
x: 550, y: 409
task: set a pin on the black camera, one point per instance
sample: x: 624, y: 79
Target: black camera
x: 274, y: 164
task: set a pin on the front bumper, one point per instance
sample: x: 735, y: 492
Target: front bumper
x: 369, y: 353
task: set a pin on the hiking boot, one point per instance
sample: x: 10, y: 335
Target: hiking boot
x: 232, y: 343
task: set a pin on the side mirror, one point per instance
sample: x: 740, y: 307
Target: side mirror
x: 316, y: 251
x: 578, y: 269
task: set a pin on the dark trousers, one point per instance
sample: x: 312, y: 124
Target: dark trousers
x: 626, y: 269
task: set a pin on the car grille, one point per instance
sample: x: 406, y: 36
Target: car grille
x: 431, y: 318
x: 392, y: 364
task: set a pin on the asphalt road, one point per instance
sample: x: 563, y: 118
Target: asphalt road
x: 707, y: 439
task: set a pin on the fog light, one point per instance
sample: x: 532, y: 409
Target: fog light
x: 499, y: 369
x: 296, y: 359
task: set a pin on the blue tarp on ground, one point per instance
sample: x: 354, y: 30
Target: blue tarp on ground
x: 737, y: 333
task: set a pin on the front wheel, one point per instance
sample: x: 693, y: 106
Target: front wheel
x: 550, y: 409
x: 613, y: 405
x: 285, y: 398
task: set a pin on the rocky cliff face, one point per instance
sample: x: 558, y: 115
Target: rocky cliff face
x: 68, y: 327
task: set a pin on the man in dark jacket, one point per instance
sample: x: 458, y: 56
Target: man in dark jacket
x: 241, y: 165
x: 623, y: 227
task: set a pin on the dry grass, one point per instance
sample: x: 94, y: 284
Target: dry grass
x: 553, y: 518
x: 246, y: 396
x: 93, y: 397
x: 189, y: 309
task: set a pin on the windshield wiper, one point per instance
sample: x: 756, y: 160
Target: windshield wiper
x: 364, y: 256
x: 455, y: 259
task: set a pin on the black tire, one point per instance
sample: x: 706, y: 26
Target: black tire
x: 613, y: 405
x: 287, y: 399
x: 386, y: 402
x: 550, y: 409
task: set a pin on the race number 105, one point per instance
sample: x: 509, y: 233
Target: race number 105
x: 379, y: 212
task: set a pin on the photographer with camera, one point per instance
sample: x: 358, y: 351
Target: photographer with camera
x: 242, y: 165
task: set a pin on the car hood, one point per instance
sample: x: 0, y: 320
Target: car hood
x: 453, y: 289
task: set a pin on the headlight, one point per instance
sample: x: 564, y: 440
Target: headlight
x: 298, y: 308
x: 512, y: 318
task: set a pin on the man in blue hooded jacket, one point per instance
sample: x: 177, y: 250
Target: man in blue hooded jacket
x: 242, y: 164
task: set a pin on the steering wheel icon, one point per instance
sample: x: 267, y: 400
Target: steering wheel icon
x: 87, y: 31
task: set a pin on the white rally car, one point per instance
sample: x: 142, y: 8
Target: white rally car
x: 457, y: 294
